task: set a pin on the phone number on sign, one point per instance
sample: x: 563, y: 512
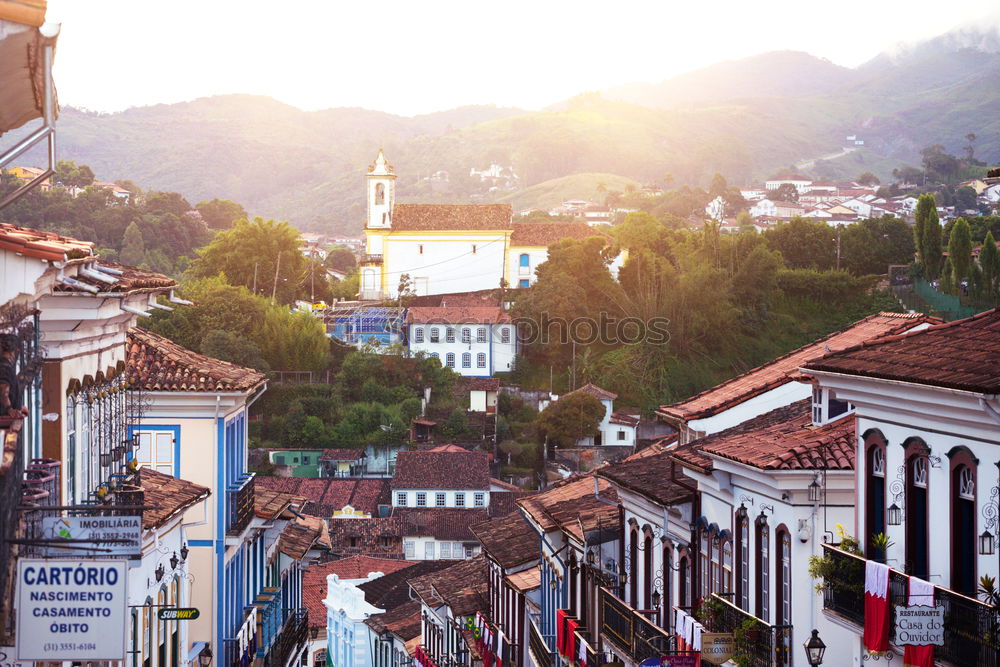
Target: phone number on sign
x: 70, y: 646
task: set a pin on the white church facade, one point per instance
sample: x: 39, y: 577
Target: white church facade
x: 446, y: 248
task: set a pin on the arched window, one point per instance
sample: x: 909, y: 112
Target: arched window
x: 874, y: 491
x: 147, y: 633
x: 481, y: 335
x: 633, y: 562
x: 684, y: 582
x: 449, y: 335
x: 727, y: 566
x: 783, y: 572
x: 466, y: 360
x: 450, y: 360
x: 481, y: 360
x: 466, y: 335
x: 505, y: 335
x: 963, y: 521
x: 435, y: 335
x: 704, y: 570
x: 917, y: 552
x: 418, y: 334
x: 742, y: 559
x: 379, y: 194
x: 647, y: 568
x: 524, y: 260
x: 763, y: 580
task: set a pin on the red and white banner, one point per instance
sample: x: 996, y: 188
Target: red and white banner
x: 876, y: 606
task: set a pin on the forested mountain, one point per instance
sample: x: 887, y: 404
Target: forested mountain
x: 745, y: 119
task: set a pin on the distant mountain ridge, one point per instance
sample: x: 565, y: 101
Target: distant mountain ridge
x: 745, y: 119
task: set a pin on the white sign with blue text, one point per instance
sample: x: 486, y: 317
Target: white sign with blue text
x: 125, y: 533
x: 71, y: 609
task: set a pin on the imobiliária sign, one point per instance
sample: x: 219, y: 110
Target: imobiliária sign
x: 71, y: 609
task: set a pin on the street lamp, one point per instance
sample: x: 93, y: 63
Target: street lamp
x: 814, y: 491
x: 590, y: 556
x: 815, y: 648
x: 656, y: 599
x: 895, y: 515
x: 205, y: 657
x: 987, y: 543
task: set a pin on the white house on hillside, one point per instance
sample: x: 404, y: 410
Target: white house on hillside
x: 616, y: 428
x: 475, y: 341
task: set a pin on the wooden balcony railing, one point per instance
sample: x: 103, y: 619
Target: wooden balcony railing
x: 630, y: 631
x: 290, y: 640
x: 540, y: 651
x: 971, y: 627
x: 239, y: 504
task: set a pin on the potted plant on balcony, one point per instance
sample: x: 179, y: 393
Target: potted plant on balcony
x: 839, y: 575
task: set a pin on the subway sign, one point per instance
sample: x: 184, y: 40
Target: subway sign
x: 178, y: 614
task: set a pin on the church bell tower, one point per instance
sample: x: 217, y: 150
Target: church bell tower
x: 381, y: 193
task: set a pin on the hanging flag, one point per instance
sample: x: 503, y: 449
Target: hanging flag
x: 561, y: 631
x: 920, y: 593
x: 876, y: 606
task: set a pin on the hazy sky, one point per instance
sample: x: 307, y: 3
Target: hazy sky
x: 416, y: 56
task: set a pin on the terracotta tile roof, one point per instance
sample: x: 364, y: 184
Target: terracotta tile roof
x: 509, y: 540
x: 156, y: 363
x: 654, y: 448
x: 690, y: 456
x: 504, y: 485
x: 464, y: 586
x: 393, y: 589
x: 653, y: 477
x: 327, y: 495
x: 378, y: 537
x: 483, y: 297
x: 129, y: 278
x: 775, y: 373
x: 623, y: 419
x: 484, y: 384
x: 342, y: 454
x: 526, y: 580
x: 269, y: 504
x: 544, y: 234
x: 172, y: 494
x: 441, y: 470
x: 782, y: 439
x: 579, y: 489
x: 964, y: 355
x: 403, y: 621
x: 441, y: 524
x: 595, y: 391
x: 42, y: 245
x: 355, y: 567
x: 297, y: 539
x: 432, y: 217
x: 503, y: 503
x: 457, y: 315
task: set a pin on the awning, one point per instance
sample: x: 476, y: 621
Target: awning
x: 22, y: 72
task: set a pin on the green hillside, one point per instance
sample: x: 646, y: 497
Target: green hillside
x: 548, y: 194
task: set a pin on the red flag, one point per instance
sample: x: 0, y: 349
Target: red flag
x: 561, y: 631
x: 920, y: 593
x: 876, y: 606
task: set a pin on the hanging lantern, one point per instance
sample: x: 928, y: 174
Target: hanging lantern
x: 987, y: 543
x: 895, y: 515
x: 815, y: 491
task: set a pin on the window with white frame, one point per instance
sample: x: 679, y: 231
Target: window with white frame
x: 466, y: 360
x: 445, y: 550
x: 439, y: 499
x: 435, y: 335
x: 421, y: 499
x: 418, y: 334
x: 481, y: 335
x: 449, y: 334
x: 156, y: 451
x: 479, y: 499
x: 505, y: 335
x: 459, y: 499
x: 466, y: 335
x: 621, y: 434
x: 401, y: 499
x: 481, y: 360
x: 408, y: 549
x: 450, y: 360
x: 429, y: 550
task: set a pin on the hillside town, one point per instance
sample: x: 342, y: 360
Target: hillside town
x: 762, y: 433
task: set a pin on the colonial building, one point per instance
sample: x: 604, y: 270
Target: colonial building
x: 928, y: 453
x: 472, y: 341
x: 444, y: 248
x: 616, y: 428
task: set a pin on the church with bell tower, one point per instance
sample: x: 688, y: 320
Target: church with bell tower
x: 447, y: 248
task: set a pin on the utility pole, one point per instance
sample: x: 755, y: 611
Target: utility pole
x: 277, y: 266
x: 838, y: 246
x: 255, y: 277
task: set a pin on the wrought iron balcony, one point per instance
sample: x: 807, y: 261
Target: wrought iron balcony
x: 630, y: 631
x: 239, y: 504
x: 371, y: 258
x: 971, y: 628
x: 767, y: 644
x: 290, y: 640
x: 540, y: 650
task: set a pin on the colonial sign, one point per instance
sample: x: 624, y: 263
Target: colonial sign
x: 96, y: 528
x: 919, y: 625
x: 71, y: 609
x: 717, y: 647
x: 178, y: 614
